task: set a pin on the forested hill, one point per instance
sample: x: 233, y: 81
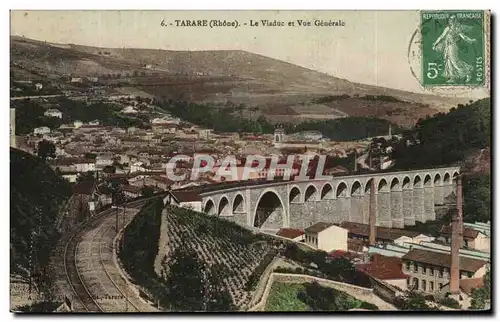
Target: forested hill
x: 37, y: 194
x: 445, y: 139
x: 462, y: 137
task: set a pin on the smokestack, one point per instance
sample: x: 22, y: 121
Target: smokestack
x: 456, y: 241
x: 372, y: 219
x: 459, y: 203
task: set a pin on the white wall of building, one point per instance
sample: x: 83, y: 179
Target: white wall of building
x: 193, y: 205
x: 482, y: 243
x: 333, y: 238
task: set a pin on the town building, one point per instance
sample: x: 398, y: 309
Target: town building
x: 84, y: 165
x: 307, y: 136
x: 165, y: 120
x: 103, y: 160
x: 104, y: 195
x: 185, y: 199
x: 138, y: 166
x: 382, y: 234
x: 415, y: 240
x: 291, y: 233
x: 326, y: 236
x: 466, y: 287
x: 129, y: 110
x: 77, y: 124
x: 387, y: 269
x: 71, y: 176
x: 429, y: 271
x: 130, y: 191
x: 41, y: 130
x: 472, y: 238
x: 53, y: 113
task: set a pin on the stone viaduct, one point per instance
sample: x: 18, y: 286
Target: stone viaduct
x: 401, y: 199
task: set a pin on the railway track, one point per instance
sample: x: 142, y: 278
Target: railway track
x: 102, y: 262
x: 74, y: 277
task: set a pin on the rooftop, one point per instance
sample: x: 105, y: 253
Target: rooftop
x: 381, y: 232
x: 383, y: 267
x: 131, y: 188
x: 84, y: 187
x: 443, y: 260
x: 468, y: 284
x: 318, y: 227
x: 185, y: 196
x: 467, y: 232
x: 290, y: 233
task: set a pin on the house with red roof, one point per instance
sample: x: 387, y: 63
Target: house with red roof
x: 291, y: 233
x: 385, y: 268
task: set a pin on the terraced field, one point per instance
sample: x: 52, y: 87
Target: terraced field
x: 239, y: 253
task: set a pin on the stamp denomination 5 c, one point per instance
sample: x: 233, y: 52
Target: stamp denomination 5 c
x: 453, y: 51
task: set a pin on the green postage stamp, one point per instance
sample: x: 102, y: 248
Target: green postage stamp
x: 453, y: 51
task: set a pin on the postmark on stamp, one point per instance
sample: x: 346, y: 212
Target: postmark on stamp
x: 452, y: 48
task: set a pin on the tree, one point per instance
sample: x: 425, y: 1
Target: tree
x: 109, y: 169
x: 185, y: 281
x: 117, y: 164
x: 415, y: 302
x: 482, y: 295
x: 217, y: 297
x: 46, y: 150
x: 90, y: 156
x: 445, y: 138
x: 86, y: 176
x: 477, y: 194
x: 147, y: 191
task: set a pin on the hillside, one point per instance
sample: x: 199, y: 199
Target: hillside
x: 280, y: 91
x: 37, y: 196
x: 190, y: 244
x: 446, y: 139
x: 462, y: 136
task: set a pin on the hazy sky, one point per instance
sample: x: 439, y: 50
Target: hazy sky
x: 371, y: 48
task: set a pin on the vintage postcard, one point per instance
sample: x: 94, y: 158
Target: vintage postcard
x: 244, y: 161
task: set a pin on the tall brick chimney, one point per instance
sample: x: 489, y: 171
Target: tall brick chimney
x: 372, y: 219
x: 456, y: 242
x: 460, y: 203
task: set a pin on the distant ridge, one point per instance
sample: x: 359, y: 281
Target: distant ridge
x: 276, y: 89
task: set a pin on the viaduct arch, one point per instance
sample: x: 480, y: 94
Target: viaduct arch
x: 401, y: 199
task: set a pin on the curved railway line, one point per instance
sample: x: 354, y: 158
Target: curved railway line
x: 102, y: 224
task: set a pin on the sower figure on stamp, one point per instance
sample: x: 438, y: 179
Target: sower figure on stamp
x: 448, y: 44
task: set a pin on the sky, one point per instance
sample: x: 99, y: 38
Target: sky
x: 372, y: 47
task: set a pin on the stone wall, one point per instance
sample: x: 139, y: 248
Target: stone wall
x: 357, y: 209
x: 408, y: 211
x: 418, y: 204
x: 384, y: 209
x: 299, y: 215
x: 397, y: 209
x: 430, y: 214
x: 344, y: 205
x: 438, y: 195
x: 360, y: 293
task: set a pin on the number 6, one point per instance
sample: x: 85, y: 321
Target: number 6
x: 432, y: 71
